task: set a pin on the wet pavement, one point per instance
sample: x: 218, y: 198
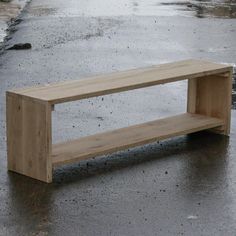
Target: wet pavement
x: 9, y: 10
x: 182, y: 186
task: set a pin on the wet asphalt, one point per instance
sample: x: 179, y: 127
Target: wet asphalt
x: 181, y: 186
x: 9, y: 10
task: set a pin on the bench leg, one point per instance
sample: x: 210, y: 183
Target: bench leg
x: 29, y: 137
x: 211, y: 96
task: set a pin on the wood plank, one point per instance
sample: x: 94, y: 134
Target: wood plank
x: 211, y: 96
x: 29, y: 138
x: 123, y: 81
x: 104, y: 143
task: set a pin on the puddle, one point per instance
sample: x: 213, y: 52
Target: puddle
x: 92, y: 8
x: 191, y: 8
x: 202, y: 9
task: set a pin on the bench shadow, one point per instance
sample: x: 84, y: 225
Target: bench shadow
x: 172, y: 148
x: 191, y: 144
x: 208, y: 165
x: 28, y: 197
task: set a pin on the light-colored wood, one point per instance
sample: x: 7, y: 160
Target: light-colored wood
x: 211, y: 96
x: 29, y: 142
x: 116, y: 140
x: 123, y: 81
x: 29, y: 137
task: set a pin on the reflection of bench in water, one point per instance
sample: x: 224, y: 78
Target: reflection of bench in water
x: 29, y: 141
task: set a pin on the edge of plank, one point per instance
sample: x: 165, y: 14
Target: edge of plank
x: 30, y: 92
x: 60, y: 156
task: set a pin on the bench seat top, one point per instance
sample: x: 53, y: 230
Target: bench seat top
x: 122, y: 81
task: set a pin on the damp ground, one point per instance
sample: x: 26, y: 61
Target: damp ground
x: 182, y: 186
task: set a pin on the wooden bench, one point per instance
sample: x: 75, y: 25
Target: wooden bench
x: 29, y: 138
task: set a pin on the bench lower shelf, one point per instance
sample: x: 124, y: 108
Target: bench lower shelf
x: 115, y: 140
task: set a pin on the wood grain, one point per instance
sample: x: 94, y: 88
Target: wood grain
x: 211, y: 96
x: 29, y: 141
x: 104, y: 143
x: 122, y: 81
x: 29, y: 138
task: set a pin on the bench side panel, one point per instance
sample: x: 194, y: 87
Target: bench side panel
x: 211, y: 96
x: 29, y: 137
